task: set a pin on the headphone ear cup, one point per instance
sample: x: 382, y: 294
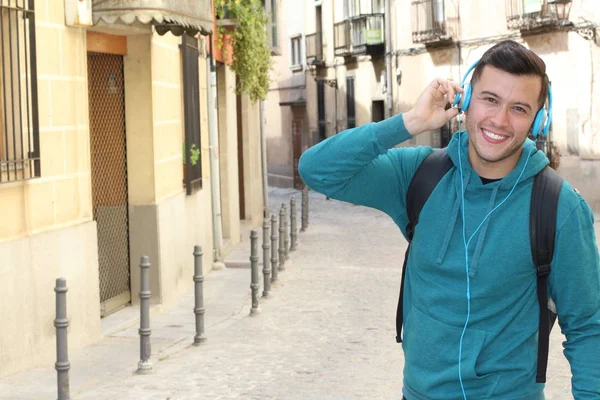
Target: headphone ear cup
x: 537, y: 122
x: 466, y: 97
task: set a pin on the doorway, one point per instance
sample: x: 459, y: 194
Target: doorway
x: 378, y: 110
x: 108, y: 151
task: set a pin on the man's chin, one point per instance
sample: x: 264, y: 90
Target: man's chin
x: 494, y: 155
x: 488, y: 154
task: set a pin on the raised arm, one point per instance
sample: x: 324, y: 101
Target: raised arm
x: 358, y: 166
x: 361, y: 166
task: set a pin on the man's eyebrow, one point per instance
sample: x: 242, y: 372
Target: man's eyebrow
x: 489, y: 93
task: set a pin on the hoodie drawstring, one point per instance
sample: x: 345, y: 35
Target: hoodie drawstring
x: 449, y: 230
x: 481, y: 239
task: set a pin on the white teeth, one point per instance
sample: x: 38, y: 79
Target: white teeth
x: 493, y: 135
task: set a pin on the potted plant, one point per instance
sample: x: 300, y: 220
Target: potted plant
x: 245, y: 42
x: 194, y: 157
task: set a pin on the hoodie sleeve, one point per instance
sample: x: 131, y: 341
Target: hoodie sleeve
x: 575, y: 288
x: 359, y: 166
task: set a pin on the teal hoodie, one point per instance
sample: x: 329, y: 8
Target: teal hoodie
x: 499, y: 347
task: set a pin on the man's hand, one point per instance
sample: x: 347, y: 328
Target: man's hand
x: 430, y: 110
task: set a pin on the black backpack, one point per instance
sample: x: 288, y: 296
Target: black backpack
x: 542, y: 230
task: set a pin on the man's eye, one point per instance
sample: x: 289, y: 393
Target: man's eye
x: 519, y: 109
x: 490, y: 100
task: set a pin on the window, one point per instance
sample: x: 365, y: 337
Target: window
x: 532, y: 6
x: 274, y: 37
x: 319, y: 19
x: 296, y: 49
x: 192, y: 161
x: 272, y: 11
x: 354, y: 8
x: 19, y: 124
x: 378, y: 7
x: 350, y: 102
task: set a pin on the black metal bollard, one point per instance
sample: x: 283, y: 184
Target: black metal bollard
x: 293, y: 228
x: 266, y: 262
x: 61, y: 323
x: 255, y: 275
x: 307, y: 209
x: 304, y: 212
x: 287, y: 232
x: 145, y: 366
x: 274, y: 249
x: 281, y: 239
x: 198, y: 297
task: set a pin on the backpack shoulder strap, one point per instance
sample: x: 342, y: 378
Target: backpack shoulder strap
x: 542, y: 231
x: 428, y: 174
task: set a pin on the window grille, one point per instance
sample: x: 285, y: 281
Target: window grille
x: 192, y: 158
x: 19, y: 123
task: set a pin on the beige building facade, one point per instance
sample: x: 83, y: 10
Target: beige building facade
x: 111, y: 161
x: 285, y: 122
x: 348, y: 84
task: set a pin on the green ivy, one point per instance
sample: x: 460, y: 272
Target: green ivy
x: 251, y: 58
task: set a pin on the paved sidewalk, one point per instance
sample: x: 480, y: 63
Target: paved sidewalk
x: 327, y: 331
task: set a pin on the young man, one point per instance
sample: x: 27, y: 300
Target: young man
x: 470, y: 304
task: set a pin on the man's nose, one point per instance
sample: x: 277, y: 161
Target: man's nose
x: 500, y: 117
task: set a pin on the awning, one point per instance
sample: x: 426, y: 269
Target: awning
x: 295, y: 103
x: 177, y: 16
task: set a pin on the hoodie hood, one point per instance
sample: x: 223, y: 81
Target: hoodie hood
x: 530, y: 163
x: 537, y: 162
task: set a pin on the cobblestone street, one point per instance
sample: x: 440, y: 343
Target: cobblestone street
x: 327, y: 332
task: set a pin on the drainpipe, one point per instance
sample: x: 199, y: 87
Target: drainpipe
x: 336, y: 101
x: 388, y: 59
x: 263, y: 156
x: 213, y: 146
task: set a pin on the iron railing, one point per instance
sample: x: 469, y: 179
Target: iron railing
x: 529, y: 14
x: 362, y: 31
x: 19, y: 123
x: 192, y: 176
x: 433, y: 21
x: 314, y: 48
x: 341, y: 38
x: 366, y: 31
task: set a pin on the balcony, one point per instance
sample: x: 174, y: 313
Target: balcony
x: 367, y: 35
x: 534, y: 15
x: 363, y: 31
x: 341, y: 38
x: 434, y: 21
x: 314, y: 49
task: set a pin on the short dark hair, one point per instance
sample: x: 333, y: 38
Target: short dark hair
x: 514, y: 58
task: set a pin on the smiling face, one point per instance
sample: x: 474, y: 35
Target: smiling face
x: 503, y: 107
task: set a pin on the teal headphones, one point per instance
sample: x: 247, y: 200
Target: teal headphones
x: 543, y: 118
